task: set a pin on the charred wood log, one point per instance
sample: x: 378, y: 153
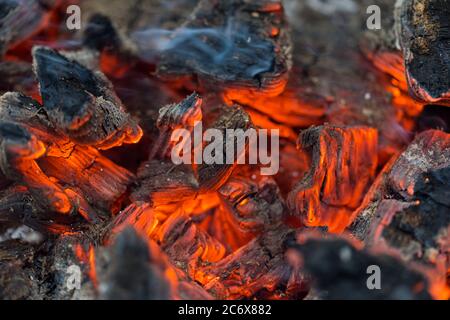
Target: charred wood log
x: 89, y: 113
x: 234, y: 47
x: 248, y: 207
x: 175, y: 116
x: 408, y: 210
x: 412, y: 47
x: 344, y: 160
x: 425, y: 40
x: 33, y: 151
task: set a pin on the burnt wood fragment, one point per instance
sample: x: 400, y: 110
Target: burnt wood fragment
x: 159, y: 179
x: 130, y: 274
x: 408, y: 211
x: 248, y: 208
x: 32, y: 151
x: 234, y: 47
x: 344, y: 160
x: 82, y: 103
x: 257, y: 270
x: 425, y: 39
x: 413, y: 47
x: 137, y: 268
x: 186, y: 244
x: 19, y: 19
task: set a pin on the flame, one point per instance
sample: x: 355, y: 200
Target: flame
x: 87, y: 257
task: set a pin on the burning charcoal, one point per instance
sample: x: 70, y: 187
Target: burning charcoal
x: 258, y: 269
x: 235, y: 47
x: 428, y: 152
x: 20, y: 150
x: 33, y: 152
x: 19, y: 19
x: 90, y: 113
x: 340, y: 271
x: 18, y: 206
x: 186, y: 244
x: 344, y: 160
x: 424, y: 36
x: 158, y: 180
x: 175, y: 116
x: 248, y: 208
x: 408, y: 209
x: 295, y: 107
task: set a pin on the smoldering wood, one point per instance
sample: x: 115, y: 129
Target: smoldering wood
x: 32, y: 151
x: 248, y: 208
x: 158, y: 180
x: 250, y: 39
x: 187, y: 245
x: 343, y: 159
x: 90, y: 113
x: 411, y: 47
x: 409, y: 212
x: 424, y: 34
x: 258, y: 269
x: 338, y: 270
x: 135, y: 268
x: 183, y: 115
x: 130, y: 275
x: 20, y: 19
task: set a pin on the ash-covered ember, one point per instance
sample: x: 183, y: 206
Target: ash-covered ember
x: 80, y: 219
x: 90, y: 113
x: 344, y: 161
